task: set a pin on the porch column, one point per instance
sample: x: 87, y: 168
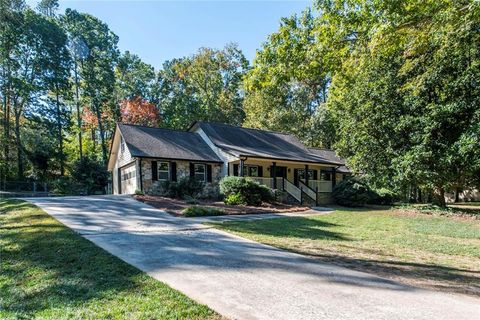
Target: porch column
x: 274, y: 174
x: 334, y: 177
x: 241, y: 173
x: 306, y: 175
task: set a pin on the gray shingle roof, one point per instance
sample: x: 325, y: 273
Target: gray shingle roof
x: 165, y: 143
x: 332, y: 156
x: 260, y: 143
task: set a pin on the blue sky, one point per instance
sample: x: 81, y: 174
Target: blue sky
x: 162, y: 30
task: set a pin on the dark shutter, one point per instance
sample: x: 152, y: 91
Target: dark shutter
x: 260, y: 171
x: 173, y: 171
x: 295, y: 177
x: 315, y: 175
x: 192, y: 170
x: 209, y: 173
x: 235, y: 169
x: 154, y: 171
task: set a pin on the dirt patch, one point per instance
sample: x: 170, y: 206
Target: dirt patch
x: 176, y: 206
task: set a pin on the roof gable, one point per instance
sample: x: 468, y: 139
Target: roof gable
x: 148, y: 142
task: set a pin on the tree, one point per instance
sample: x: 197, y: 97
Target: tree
x: 139, y: 111
x: 48, y: 7
x: 57, y: 82
x: 287, y: 87
x: 205, y: 86
x: 97, y: 69
x: 135, y: 78
x: 406, y: 103
x: 79, y: 51
x: 35, y: 58
x: 11, y: 20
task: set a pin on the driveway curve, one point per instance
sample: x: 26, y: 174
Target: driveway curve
x: 242, y: 279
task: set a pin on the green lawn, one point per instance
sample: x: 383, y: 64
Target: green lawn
x: 418, y: 249
x: 49, y: 272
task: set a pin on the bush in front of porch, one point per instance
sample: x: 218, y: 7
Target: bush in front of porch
x: 244, y: 191
x: 356, y: 193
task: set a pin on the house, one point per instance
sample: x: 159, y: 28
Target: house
x: 142, y: 157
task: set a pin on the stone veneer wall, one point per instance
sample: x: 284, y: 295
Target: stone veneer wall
x: 183, y: 170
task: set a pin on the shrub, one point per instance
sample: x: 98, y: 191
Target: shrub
x: 234, y: 199
x: 195, y: 211
x: 90, y: 173
x: 245, y: 191
x: 351, y: 193
x: 185, y: 187
x: 139, y: 192
x: 383, y: 196
x: 354, y: 193
x: 66, y: 186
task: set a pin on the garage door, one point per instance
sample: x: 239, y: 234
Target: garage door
x: 128, y: 179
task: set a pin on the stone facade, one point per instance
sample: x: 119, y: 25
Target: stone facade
x: 183, y: 171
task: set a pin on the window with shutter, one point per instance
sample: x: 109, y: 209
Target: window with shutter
x: 163, y: 171
x: 200, y: 172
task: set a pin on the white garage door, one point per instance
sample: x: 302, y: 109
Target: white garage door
x: 128, y: 179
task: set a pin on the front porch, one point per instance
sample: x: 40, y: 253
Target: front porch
x: 301, y: 180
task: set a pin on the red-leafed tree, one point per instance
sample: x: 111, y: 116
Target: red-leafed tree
x: 139, y: 111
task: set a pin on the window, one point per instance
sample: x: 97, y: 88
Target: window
x: 200, y: 172
x: 301, y: 174
x: 250, y: 171
x: 325, y: 175
x: 163, y: 171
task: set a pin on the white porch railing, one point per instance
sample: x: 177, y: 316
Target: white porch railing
x: 263, y: 180
x: 322, y: 185
x: 308, y: 191
x: 268, y: 182
x: 292, y: 190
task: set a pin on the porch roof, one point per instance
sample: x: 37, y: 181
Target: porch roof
x: 256, y: 143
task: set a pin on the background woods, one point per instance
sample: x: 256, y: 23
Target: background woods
x: 391, y: 85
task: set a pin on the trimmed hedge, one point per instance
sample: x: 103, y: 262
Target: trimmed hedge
x: 241, y: 190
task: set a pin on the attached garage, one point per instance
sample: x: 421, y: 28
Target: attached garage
x: 128, y: 179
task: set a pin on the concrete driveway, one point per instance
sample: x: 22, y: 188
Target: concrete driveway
x: 243, y: 279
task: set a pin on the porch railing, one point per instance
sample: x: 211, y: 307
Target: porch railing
x: 263, y: 180
x: 320, y: 185
x: 308, y: 191
x: 268, y: 182
x: 292, y: 189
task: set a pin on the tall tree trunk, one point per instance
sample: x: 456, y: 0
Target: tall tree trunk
x: 457, y: 194
x: 439, y: 197
x: 18, y: 140
x: 79, y: 117
x: 60, y: 136
x: 102, y: 133
x: 6, y: 128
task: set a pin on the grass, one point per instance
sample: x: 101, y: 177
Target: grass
x: 50, y: 272
x: 423, y: 250
x: 196, y: 211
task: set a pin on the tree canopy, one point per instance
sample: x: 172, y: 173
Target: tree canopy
x: 204, y: 86
x: 391, y: 85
